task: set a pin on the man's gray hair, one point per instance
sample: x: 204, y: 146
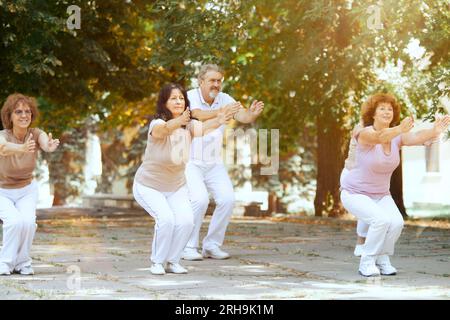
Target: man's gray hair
x: 208, y: 67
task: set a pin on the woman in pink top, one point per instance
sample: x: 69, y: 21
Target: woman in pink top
x: 19, y: 145
x: 160, y: 184
x: 365, y: 189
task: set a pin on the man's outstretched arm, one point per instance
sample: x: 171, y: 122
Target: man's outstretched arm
x: 251, y: 114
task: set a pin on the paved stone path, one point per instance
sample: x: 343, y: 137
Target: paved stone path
x: 84, y: 254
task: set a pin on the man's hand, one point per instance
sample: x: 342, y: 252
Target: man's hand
x: 232, y: 108
x: 225, y: 114
x: 256, y: 108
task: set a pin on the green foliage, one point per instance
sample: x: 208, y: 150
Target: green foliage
x: 73, y: 69
x: 312, y: 62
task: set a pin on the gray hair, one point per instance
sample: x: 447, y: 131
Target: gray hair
x: 208, y: 67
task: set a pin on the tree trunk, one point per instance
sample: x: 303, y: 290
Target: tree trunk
x: 330, y: 161
x: 397, y: 189
x: 66, y: 166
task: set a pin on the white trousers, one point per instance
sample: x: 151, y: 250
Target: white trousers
x: 361, y: 227
x: 200, y: 180
x: 174, y: 220
x: 18, y: 213
x: 383, y: 217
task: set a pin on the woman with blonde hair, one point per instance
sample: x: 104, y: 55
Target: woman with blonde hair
x: 19, y: 146
x: 365, y: 189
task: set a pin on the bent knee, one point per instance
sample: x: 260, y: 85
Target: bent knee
x: 29, y: 223
x: 186, y: 224
x: 165, y: 222
x: 381, y: 222
x: 200, y: 200
x: 398, y: 224
x: 15, y: 223
x: 225, y: 200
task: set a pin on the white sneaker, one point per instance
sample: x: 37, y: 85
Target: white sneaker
x: 367, y: 267
x: 191, y: 254
x: 157, y: 268
x: 4, y: 270
x: 358, y: 250
x: 175, y: 268
x: 385, y: 266
x: 215, y: 253
x: 26, y: 271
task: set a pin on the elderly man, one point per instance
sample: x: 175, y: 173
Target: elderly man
x: 205, y: 171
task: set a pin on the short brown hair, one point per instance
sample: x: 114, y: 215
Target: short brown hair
x: 370, y: 106
x: 11, y: 104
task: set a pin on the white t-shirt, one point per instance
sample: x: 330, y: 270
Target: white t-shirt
x: 208, y: 149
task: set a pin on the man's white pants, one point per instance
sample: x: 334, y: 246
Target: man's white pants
x: 202, y: 179
x: 383, y: 217
x: 18, y: 213
x: 174, y: 220
x: 361, y: 227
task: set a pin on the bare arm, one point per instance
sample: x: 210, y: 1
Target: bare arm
x: 369, y: 136
x: 204, y: 115
x: 9, y: 148
x: 199, y: 129
x: 160, y: 131
x: 47, y: 143
x: 422, y: 136
x: 251, y: 114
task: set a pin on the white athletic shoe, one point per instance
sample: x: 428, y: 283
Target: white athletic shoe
x: 4, y: 270
x: 358, y: 250
x: 191, y: 254
x: 175, y: 268
x: 26, y: 271
x: 157, y: 268
x: 385, y: 266
x: 215, y: 253
x: 367, y: 267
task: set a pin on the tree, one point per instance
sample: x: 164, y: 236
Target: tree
x: 77, y: 73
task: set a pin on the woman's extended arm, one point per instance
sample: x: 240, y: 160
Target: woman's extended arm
x: 160, y: 131
x: 9, y: 148
x: 420, y: 137
x: 371, y: 136
x: 47, y: 143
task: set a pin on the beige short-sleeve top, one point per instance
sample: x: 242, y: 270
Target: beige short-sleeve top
x: 16, y: 171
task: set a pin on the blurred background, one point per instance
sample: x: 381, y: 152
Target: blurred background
x: 96, y: 68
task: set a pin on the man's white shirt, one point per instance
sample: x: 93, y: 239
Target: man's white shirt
x: 208, y: 149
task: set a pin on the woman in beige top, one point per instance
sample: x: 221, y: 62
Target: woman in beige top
x: 160, y: 185
x: 19, y: 145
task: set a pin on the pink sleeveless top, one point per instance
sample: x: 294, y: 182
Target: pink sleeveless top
x: 373, y: 169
